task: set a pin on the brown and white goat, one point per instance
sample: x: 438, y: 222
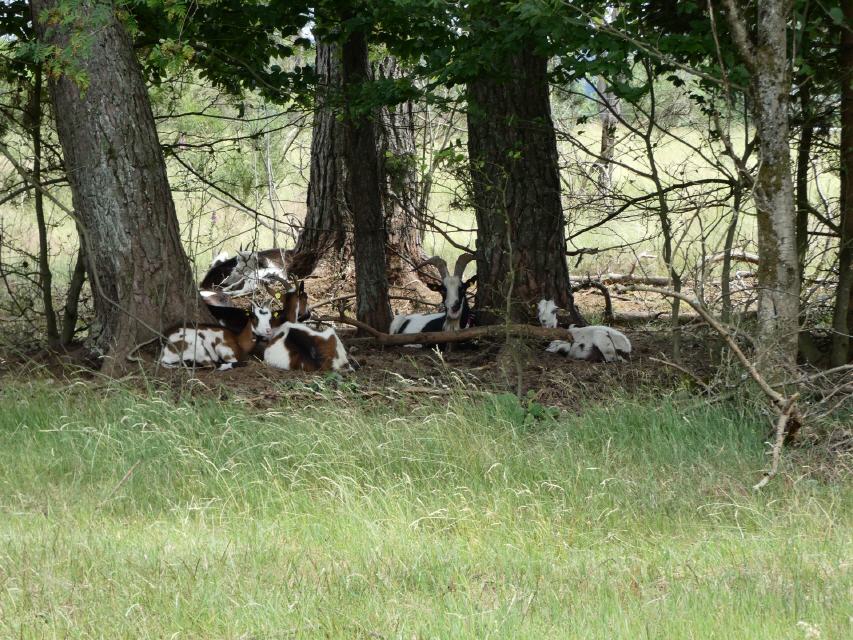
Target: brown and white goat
x: 457, y: 314
x: 298, y: 347
x: 209, y: 345
x: 294, y: 308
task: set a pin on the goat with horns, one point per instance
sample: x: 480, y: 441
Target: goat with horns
x: 456, y: 315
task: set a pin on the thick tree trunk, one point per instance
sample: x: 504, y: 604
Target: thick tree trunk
x: 363, y: 194
x: 842, y: 323
x: 521, y: 244
x: 141, y: 278
x: 395, y: 141
x: 778, y: 271
x: 327, y: 229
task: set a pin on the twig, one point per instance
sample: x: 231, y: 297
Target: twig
x: 781, y: 429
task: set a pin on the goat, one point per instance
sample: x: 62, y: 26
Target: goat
x: 242, y: 273
x: 206, y: 344
x: 219, y: 258
x: 298, y: 347
x: 294, y: 310
x: 216, y: 298
x: 457, y: 314
x: 595, y: 343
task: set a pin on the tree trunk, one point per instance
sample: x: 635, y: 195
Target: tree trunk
x: 363, y: 194
x: 398, y: 178
x: 512, y: 147
x: 804, y: 154
x: 607, y: 116
x: 72, y: 300
x: 45, y: 276
x: 842, y: 322
x: 141, y: 279
x: 778, y: 272
x: 327, y: 228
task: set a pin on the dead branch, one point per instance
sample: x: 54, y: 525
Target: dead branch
x: 491, y: 331
x: 350, y: 296
x: 624, y: 278
x: 608, y: 303
x: 781, y: 430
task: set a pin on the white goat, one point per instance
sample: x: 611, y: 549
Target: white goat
x: 595, y: 343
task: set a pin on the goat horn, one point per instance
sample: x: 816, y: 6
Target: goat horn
x: 462, y: 262
x: 437, y: 262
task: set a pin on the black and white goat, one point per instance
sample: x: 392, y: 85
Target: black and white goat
x: 245, y: 272
x: 298, y: 347
x: 595, y: 343
x: 456, y: 315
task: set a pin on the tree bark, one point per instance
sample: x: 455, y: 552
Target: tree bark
x: 363, y: 194
x: 327, y: 228
x: 141, y: 279
x: 395, y: 141
x: 778, y: 271
x: 607, y: 116
x: 512, y: 147
x: 842, y: 322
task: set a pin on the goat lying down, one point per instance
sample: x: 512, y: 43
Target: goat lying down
x: 245, y: 272
x: 210, y: 345
x: 595, y: 343
x: 457, y: 314
x: 298, y: 347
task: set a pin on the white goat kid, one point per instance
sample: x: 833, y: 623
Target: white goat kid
x: 595, y: 343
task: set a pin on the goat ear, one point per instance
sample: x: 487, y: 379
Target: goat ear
x: 434, y: 286
x: 471, y: 280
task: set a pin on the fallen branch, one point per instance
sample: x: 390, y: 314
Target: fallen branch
x: 350, y: 296
x: 623, y: 278
x: 781, y: 430
x: 491, y: 331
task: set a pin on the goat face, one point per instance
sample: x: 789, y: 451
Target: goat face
x: 548, y: 313
x: 262, y: 321
x: 453, y: 290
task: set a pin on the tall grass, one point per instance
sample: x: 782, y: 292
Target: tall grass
x: 342, y: 518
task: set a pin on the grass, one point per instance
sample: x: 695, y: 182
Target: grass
x: 343, y: 519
